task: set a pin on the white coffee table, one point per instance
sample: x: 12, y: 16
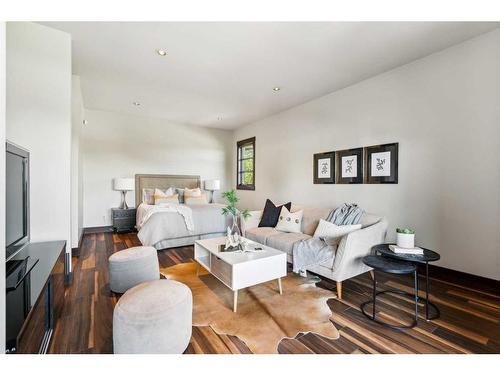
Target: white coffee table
x: 238, y: 270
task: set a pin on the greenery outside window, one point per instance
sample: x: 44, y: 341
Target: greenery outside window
x: 245, y: 170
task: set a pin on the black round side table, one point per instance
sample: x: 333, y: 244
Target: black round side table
x: 426, y: 257
x: 387, y: 265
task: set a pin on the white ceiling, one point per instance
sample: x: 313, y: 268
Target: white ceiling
x: 228, y: 70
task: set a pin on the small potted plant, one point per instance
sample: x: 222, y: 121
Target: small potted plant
x: 234, y: 232
x: 405, y: 237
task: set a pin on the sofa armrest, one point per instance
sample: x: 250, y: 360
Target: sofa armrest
x: 251, y: 222
x: 353, y: 247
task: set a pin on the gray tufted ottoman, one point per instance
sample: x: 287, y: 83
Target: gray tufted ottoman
x: 130, y: 267
x: 153, y: 317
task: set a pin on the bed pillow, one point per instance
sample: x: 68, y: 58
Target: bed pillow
x: 289, y: 221
x: 166, y: 193
x: 171, y: 199
x: 202, y: 199
x: 333, y: 233
x: 271, y: 214
x: 192, y: 192
x: 148, y: 196
x: 161, y: 195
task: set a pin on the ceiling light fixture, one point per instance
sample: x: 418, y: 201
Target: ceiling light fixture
x: 136, y: 104
x: 161, y: 52
x: 85, y: 122
x: 276, y: 88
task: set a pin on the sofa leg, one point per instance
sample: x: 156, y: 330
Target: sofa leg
x: 339, y: 289
x: 372, y: 275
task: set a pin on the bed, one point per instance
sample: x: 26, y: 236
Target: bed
x: 170, y: 229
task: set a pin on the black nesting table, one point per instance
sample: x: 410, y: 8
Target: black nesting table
x: 425, y: 258
x: 392, y: 266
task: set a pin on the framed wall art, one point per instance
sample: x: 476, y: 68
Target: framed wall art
x: 324, y: 168
x: 382, y: 164
x: 349, y: 166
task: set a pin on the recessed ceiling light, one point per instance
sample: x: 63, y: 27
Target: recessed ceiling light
x: 161, y: 52
x: 136, y: 104
x: 276, y: 88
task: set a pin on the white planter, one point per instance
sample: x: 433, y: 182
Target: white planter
x: 405, y: 240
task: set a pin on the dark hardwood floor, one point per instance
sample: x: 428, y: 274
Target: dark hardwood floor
x: 469, y: 320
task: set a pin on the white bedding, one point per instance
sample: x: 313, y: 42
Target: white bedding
x: 146, y: 211
x: 170, y: 224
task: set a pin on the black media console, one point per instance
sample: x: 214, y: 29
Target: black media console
x: 35, y: 282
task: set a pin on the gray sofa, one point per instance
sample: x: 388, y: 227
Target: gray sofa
x: 347, y: 261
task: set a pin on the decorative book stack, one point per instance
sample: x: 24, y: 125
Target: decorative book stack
x: 406, y: 250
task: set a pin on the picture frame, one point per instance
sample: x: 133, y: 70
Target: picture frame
x: 349, y: 166
x: 324, y: 168
x: 382, y: 164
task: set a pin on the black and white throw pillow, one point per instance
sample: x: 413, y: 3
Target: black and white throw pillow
x: 271, y: 214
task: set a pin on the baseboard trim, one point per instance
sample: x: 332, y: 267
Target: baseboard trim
x: 75, y: 251
x: 458, y: 277
x: 103, y: 229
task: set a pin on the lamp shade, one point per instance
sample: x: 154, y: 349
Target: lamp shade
x: 123, y: 184
x: 212, y: 185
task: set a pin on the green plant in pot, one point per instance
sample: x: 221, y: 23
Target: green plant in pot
x: 230, y: 210
x: 405, y: 237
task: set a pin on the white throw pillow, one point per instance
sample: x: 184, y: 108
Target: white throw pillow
x: 160, y: 196
x: 172, y: 199
x: 333, y: 233
x: 202, y: 199
x: 289, y: 221
x: 192, y: 192
x: 165, y: 193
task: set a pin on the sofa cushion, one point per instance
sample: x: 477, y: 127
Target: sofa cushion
x: 284, y: 241
x: 311, y: 217
x: 260, y: 234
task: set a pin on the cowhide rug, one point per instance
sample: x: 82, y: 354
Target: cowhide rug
x: 264, y: 317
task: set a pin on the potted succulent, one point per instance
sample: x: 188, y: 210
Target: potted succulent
x: 405, y: 238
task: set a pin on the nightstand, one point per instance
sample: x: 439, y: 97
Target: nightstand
x: 123, y: 219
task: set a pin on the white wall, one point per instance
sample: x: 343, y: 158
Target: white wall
x: 118, y: 145
x: 444, y: 110
x: 2, y: 185
x: 77, y: 117
x: 39, y: 119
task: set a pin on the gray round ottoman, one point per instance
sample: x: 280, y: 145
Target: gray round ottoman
x: 132, y: 266
x: 153, y: 317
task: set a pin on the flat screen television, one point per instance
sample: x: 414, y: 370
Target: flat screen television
x: 17, y: 199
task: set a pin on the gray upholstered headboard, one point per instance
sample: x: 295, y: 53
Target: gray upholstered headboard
x: 163, y: 181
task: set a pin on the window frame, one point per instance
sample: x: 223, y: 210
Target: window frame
x: 239, y: 159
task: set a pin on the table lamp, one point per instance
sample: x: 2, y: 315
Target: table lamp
x: 212, y: 185
x: 123, y: 185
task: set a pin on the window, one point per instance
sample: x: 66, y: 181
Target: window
x: 246, y: 164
